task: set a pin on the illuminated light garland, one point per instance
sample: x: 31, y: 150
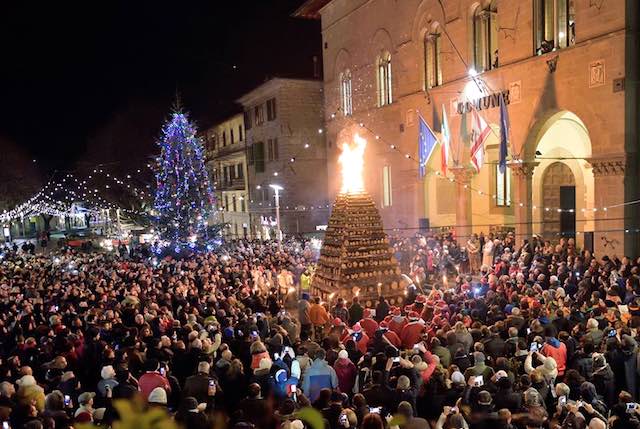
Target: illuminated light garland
x: 480, y: 192
x: 184, y: 198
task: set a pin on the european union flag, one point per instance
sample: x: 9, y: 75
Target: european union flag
x: 426, y: 144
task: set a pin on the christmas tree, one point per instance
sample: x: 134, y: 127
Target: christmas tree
x: 184, y: 199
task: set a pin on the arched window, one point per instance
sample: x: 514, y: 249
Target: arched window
x: 555, y: 26
x: 384, y: 79
x: 485, y: 38
x: 345, y: 93
x: 432, y: 64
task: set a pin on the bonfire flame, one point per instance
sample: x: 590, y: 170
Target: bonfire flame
x: 352, y: 160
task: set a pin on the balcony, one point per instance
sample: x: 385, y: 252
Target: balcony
x: 223, y: 151
x: 236, y: 184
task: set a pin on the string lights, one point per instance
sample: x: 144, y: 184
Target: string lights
x: 184, y: 198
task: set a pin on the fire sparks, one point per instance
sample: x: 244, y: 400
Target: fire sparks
x: 352, y: 160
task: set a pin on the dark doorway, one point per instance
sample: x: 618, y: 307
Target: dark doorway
x: 568, y: 215
x: 558, y: 223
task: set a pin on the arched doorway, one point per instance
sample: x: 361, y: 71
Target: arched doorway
x: 558, y: 192
x: 561, y: 138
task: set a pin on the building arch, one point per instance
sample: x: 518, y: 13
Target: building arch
x: 342, y: 61
x: 561, y: 137
x: 427, y: 12
x: 380, y: 42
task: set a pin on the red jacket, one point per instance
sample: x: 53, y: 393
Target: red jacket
x: 557, y: 350
x: 149, y: 381
x: 393, y: 338
x: 346, y: 372
x: 397, y: 323
x: 411, y: 334
x: 369, y: 325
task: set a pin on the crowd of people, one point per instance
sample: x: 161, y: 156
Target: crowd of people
x: 529, y: 336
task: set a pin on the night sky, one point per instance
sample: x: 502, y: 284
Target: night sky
x: 91, y: 82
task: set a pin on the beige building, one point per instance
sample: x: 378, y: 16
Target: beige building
x: 286, y: 147
x: 569, y: 73
x: 226, y: 159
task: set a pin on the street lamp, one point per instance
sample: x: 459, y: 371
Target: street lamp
x: 277, y: 189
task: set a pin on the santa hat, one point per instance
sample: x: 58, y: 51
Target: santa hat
x: 413, y: 315
x: 421, y: 299
x: 338, y: 322
x: 357, y: 327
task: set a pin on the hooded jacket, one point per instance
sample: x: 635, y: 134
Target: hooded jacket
x: 558, y: 351
x: 346, y: 372
x: 318, y: 376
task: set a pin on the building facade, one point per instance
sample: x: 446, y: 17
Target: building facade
x: 225, y: 145
x: 286, y: 148
x: 568, y: 72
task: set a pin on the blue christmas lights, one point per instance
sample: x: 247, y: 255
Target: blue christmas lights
x: 184, y: 199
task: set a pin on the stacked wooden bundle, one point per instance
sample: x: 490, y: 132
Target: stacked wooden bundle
x: 355, y: 258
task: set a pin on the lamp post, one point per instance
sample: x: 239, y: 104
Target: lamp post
x: 277, y: 189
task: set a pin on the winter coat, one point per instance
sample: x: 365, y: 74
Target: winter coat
x: 411, y: 334
x: 603, y: 379
x: 318, y: 376
x: 495, y: 347
x: 507, y: 398
x: 346, y: 372
x: 558, y: 351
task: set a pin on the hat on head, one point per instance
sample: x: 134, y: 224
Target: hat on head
x: 343, y: 354
x: 396, y: 311
x: 85, y: 397
x: 357, y: 327
x: 337, y: 322
x: 413, y: 315
x: 158, y: 396
x: 421, y: 299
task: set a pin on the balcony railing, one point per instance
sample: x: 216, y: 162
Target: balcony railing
x: 236, y: 184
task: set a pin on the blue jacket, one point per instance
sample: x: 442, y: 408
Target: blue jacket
x: 318, y: 376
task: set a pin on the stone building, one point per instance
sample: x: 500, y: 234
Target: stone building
x: 225, y: 145
x: 569, y: 72
x: 286, y: 147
